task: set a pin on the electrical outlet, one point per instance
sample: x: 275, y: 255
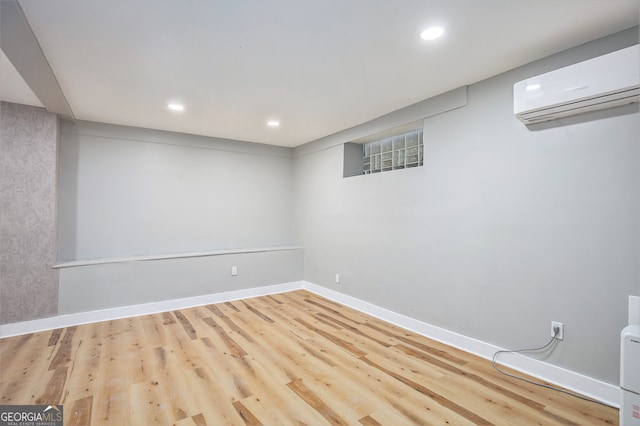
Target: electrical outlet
x: 234, y: 271
x: 560, y: 326
x: 337, y: 278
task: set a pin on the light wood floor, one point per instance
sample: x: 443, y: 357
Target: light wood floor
x: 292, y: 358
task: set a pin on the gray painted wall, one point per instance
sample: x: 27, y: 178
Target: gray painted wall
x: 503, y: 230
x: 95, y: 287
x: 28, y: 169
x: 128, y: 191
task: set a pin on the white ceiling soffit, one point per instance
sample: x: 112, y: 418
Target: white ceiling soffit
x: 13, y: 87
x: 316, y: 66
x: 21, y: 47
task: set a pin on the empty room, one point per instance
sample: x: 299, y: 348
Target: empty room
x: 284, y: 212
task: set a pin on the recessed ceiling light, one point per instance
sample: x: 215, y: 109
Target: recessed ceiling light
x: 273, y: 123
x: 175, y: 107
x: 432, y: 33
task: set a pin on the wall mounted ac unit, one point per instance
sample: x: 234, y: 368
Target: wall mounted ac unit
x: 603, y: 82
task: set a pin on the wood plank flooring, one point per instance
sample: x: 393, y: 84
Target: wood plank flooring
x: 288, y: 359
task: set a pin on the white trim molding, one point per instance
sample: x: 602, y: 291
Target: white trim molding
x: 14, y: 329
x: 74, y: 263
x: 596, y: 389
x: 587, y: 386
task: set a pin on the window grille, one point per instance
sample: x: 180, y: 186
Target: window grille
x: 393, y: 153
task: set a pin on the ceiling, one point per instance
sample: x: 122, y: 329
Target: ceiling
x: 318, y: 67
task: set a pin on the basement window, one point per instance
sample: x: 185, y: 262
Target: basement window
x: 395, y: 152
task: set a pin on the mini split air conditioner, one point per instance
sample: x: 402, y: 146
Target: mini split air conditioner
x: 603, y: 82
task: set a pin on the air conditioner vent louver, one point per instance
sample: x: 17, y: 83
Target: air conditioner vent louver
x: 603, y: 82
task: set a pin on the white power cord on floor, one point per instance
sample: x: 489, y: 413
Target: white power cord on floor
x: 556, y: 331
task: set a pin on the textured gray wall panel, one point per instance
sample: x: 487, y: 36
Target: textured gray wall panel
x: 28, y: 165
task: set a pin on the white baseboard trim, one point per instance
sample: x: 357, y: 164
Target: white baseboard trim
x: 592, y: 388
x: 33, y: 326
x: 596, y: 389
